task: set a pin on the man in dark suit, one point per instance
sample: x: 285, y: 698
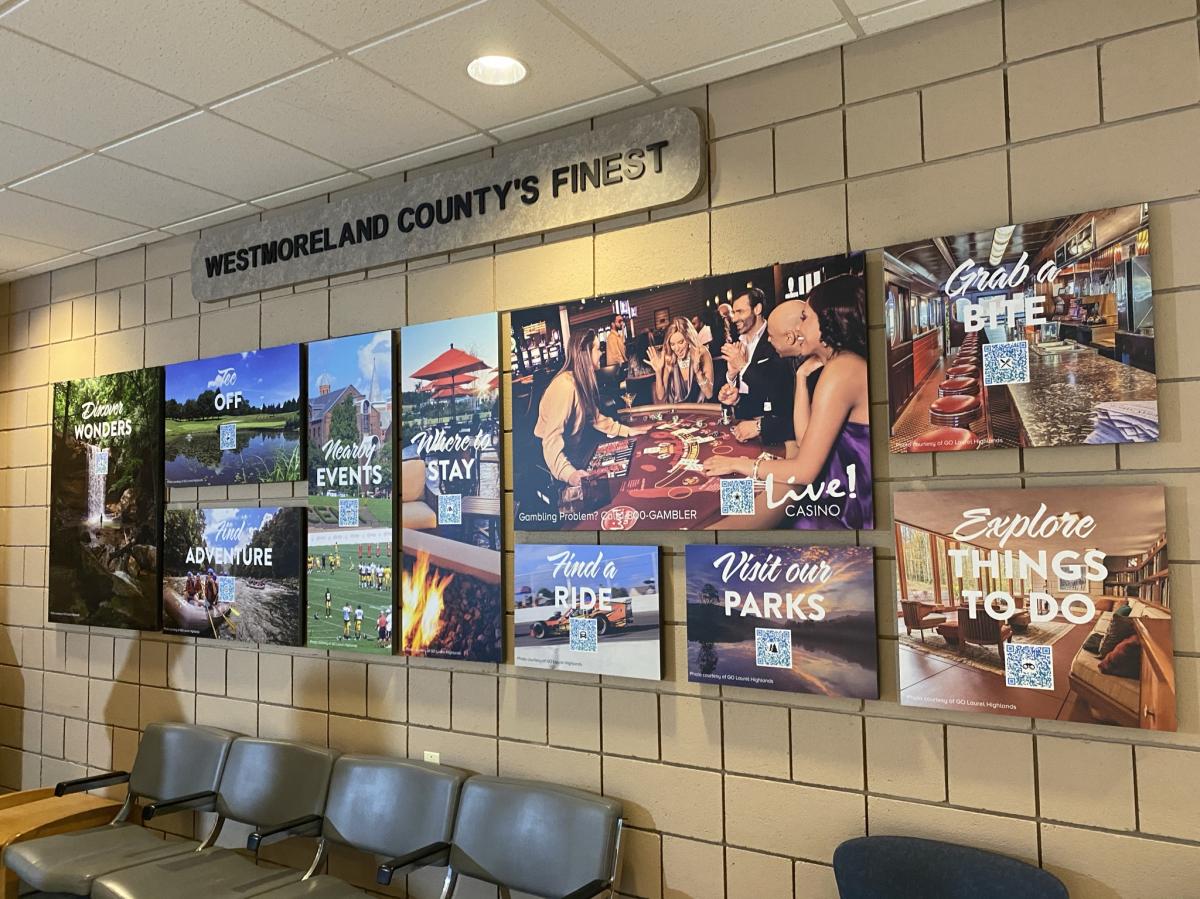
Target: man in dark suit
x: 756, y: 376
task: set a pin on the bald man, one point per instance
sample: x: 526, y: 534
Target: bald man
x: 784, y: 326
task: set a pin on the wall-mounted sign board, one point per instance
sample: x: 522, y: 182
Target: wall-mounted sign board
x: 649, y: 161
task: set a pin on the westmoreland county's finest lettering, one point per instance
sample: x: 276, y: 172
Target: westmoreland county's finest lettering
x: 1051, y: 603
x: 799, y: 618
x: 653, y: 160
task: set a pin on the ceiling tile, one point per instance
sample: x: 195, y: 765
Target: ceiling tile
x: 52, y: 223
x: 305, y: 191
x: 52, y: 264
x: 26, y: 152
x: 450, y: 150
x: 346, y: 113
x: 127, y: 243
x: 70, y: 99
x: 574, y: 113
x: 202, y: 49
x: 351, y: 22
x: 229, y: 214
x: 223, y: 156
x: 18, y: 253
x: 903, y: 14
x: 432, y: 61
x: 666, y: 36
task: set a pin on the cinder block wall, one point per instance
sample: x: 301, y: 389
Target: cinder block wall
x: 1007, y: 111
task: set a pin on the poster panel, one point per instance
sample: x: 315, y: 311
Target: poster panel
x: 593, y: 609
x: 1050, y: 603
x: 797, y: 618
x: 349, y: 585
x: 677, y: 408
x: 1037, y: 334
x: 451, y: 603
x: 106, y: 494
x: 234, y: 574
x: 234, y: 419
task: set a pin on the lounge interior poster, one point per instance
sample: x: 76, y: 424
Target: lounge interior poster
x: 591, y: 609
x: 1048, y: 603
x: 677, y: 408
x: 798, y: 618
x: 234, y: 419
x: 1037, y: 334
x: 234, y: 574
x: 106, y: 501
x: 451, y: 602
x: 349, y: 585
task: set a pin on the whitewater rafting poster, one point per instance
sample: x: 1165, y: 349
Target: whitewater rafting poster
x: 451, y: 604
x: 106, y: 501
x: 234, y: 574
x: 234, y: 419
x: 798, y: 618
x: 349, y: 586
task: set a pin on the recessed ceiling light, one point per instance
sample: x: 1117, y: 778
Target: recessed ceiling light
x: 496, y: 70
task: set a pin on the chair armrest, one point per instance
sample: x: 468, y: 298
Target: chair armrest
x: 95, y: 782
x: 182, y: 803
x: 417, y: 858
x: 290, y: 827
x: 588, y: 890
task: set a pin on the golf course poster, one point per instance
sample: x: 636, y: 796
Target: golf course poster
x: 451, y: 603
x: 106, y: 501
x: 234, y: 574
x: 349, y: 561
x: 234, y: 419
x: 592, y: 609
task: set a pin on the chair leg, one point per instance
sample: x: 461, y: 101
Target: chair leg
x: 449, y: 883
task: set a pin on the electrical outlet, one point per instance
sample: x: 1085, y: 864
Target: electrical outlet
x: 435, y: 757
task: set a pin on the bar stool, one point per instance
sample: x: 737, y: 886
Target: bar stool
x: 943, y: 440
x: 963, y: 370
x: 961, y: 386
x: 955, y: 411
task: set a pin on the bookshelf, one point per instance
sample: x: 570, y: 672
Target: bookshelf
x: 1144, y: 576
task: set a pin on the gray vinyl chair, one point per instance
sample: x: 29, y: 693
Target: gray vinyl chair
x: 276, y: 786
x: 177, y: 765
x: 524, y: 835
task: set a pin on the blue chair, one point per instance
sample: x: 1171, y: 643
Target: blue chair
x: 913, y: 868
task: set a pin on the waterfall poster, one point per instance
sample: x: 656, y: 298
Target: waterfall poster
x: 798, y: 618
x: 349, y: 583
x: 234, y: 419
x: 106, y: 501
x: 451, y: 602
x: 592, y: 609
x: 234, y: 574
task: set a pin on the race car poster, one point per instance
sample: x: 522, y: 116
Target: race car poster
x: 234, y: 419
x: 797, y: 618
x: 451, y: 602
x: 592, y: 609
x: 349, y: 586
x: 1050, y: 603
x: 732, y: 402
x: 106, y: 501
x: 234, y: 574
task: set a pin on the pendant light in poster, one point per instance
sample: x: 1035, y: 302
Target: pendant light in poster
x: 451, y: 602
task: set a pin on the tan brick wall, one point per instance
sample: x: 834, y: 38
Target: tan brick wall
x: 1009, y: 110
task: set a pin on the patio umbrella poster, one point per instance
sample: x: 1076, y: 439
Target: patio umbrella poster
x: 349, y: 586
x: 1049, y: 603
x: 450, y: 596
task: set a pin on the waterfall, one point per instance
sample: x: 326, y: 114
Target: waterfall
x: 97, y: 459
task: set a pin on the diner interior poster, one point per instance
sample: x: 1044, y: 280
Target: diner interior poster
x: 796, y: 618
x: 1039, y: 603
x: 234, y: 419
x: 1029, y: 335
x: 349, y: 585
x: 451, y: 600
x: 106, y: 494
x: 675, y: 407
x: 234, y: 574
x: 591, y: 609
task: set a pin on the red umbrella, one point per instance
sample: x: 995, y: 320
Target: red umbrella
x: 447, y: 367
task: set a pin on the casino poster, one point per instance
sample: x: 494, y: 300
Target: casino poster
x: 234, y: 419
x: 106, y: 501
x: 234, y: 574
x: 451, y: 600
x: 1047, y: 603
x: 349, y: 585
x: 592, y: 609
x: 676, y: 407
x: 797, y: 618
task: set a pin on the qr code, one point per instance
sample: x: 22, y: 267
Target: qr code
x: 1031, y: 667
x: 226, y: 588
x: 737, y: 496
x: 229, y: 436
x: 450, y: 508
x: 102, y: 462
x: 584, y: 634
x: 772, y: 647
x: 1006, y: 363
x: 348, y: 513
